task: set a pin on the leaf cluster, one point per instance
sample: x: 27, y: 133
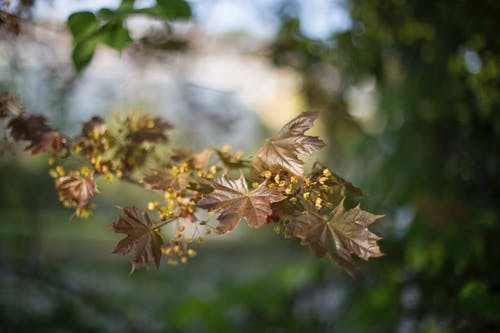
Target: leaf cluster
x: 271, y: 189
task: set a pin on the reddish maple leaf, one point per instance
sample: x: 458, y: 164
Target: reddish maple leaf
x: 47, y: 140
x: 280, y: 151
x: 77, y: 188
x: 234, y: 201
x: 342, y: 234
x: 149, y: 130
x: 96, y: 124
x: 34, y: 129
x: 142, y: 239
x: 162, y: 180
x: 194, y: 160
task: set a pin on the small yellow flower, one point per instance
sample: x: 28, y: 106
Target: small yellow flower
x: 82, y: 212
x: 60, y: 170
x: 153, y: 205
x: 317, y: 203
x: 175, y: 170
x: 85, y: 171
x: 227, y: 148
x: 172, y: 261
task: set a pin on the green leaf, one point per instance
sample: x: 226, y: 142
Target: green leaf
x: 107, y: 14
x: 115, y: 35
x: 117, y: 15
x: 112, y: 34
x: 173, y: 9
x: 127, y: 4
x: 82, y: 25
x: 83, y: 53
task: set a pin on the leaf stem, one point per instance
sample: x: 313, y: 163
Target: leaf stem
x: 164, y: 222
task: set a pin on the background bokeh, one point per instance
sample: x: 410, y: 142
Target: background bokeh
x: 409, y: 95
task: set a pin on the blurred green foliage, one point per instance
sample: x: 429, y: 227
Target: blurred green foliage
x: 107, y: 26
x: 428, y: 156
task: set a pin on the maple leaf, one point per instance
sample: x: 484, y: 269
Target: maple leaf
x: 95, y: 124
x: 233, y: 199
x: 142, y: 239
x: 162, y: 180
x: 194, y: 160
x: 34, y: 129
x: 149, y: 130
x: 8, y: 105
x: 27, y: 128
x: 47, y: 140
x: 344, y: 233
x: 281, y: 150
x: 77, y: 188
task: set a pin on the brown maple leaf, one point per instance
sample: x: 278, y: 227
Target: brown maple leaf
x: 142, y: 239
x: 344, y: 233
x: 8, y: 105
x: 47, y: 140
x: 34, y: 129
x: 95, y: 124
x: 77, y: 188
x: 149, y: 130
x: 162, y: 180
x: 27, y: 128
x: 194, y: 160
x: 234, y: 201
x: 280, y: 151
